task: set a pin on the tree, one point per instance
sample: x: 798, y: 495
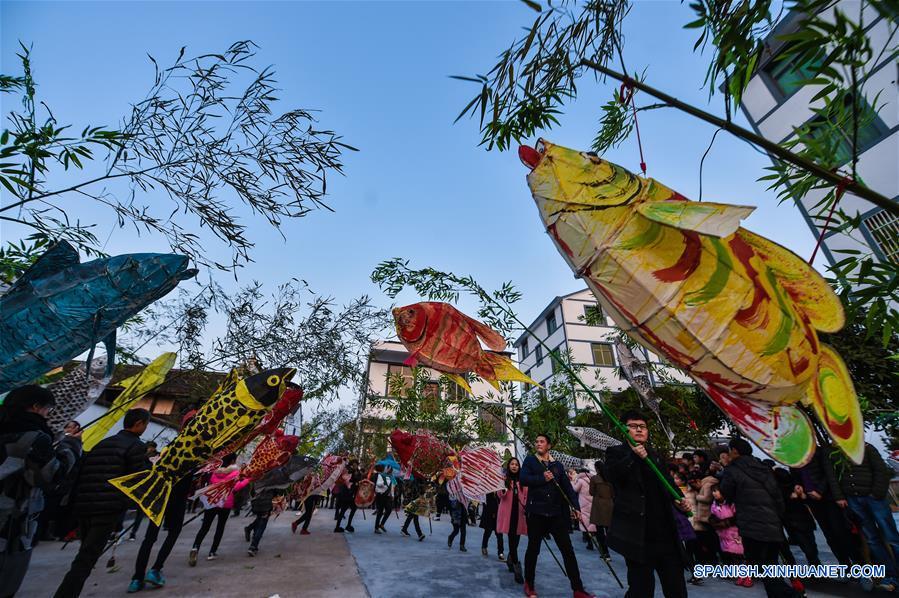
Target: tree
x: 206, y: 136
x: 540, y: 72
x: 289, y: 326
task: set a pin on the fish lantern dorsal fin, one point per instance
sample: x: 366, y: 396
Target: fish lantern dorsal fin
x: 59, y: 257
x: 707, y: 218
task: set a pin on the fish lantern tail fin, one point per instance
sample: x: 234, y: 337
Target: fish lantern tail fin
x: 148, y: 489
x: 216, y: 493
x: 783, y: 432
x: 506, y: 371
x: 461, y: 381
x: 832, y: 397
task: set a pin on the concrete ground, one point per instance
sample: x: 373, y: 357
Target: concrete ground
x: 287, y: 565
x: 363, y: 564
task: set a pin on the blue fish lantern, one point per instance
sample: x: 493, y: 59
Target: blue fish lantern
x: 60, y: 308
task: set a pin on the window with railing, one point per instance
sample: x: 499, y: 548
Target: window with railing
x: 551, y: 324
x: 884, y: 229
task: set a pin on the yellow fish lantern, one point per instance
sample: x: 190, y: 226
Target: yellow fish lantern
x: 734, y: 310
x: 233, y: 410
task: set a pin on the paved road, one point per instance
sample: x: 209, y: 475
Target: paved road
x: 328, y: 565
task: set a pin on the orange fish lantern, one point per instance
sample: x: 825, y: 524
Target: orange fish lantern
x: 737, y: 312
x: 442, y: 338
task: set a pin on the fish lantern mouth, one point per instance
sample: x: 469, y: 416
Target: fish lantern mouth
x: 530, y: 156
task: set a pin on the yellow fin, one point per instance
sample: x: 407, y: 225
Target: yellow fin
x: 806, y: 287
x: 148, y: 489
x: 461, y: 381
x: 505, y: 370
x: 833, y: 398
x: 707, y: 218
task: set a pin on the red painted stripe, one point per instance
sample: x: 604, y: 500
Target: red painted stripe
x: 687, y: 262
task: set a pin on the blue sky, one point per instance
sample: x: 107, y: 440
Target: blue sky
x: 420, y: 188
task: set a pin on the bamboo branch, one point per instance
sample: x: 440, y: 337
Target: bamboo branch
x: 776, y: 150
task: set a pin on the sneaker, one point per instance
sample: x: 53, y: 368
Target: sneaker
x: 404, y: 532
x: 383, y: 530
x: 132, y: 538
x: 154, y: 577
x: 294, y: 525
x: 516, y: 569
x: 192, y: 558
x: 338, y: 530
x: 350, y: 528
x: 212, y: 556
x: 251, y: 551
x: 484, y: 551
x: 421, y: 538
x: 529, y: 591
x: 501, y: 557
x: 377, y: 530
x: 583, y: 594
x: 246, y: 533
x: 694, y: 580
x: 463, y: 549
x: 449, y: 544
x: 305, y: 532
x: 135, y: 586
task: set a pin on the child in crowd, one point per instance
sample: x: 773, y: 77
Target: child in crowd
x: 459, y: 516
x: 723, y: 519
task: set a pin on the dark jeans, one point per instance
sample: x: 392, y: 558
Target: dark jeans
x: 458, y: 529
x: 382, y: 502
x: 877, y: 521
x: 210, y: 515
x: 442, y: 504
x: 341, y: 511
x: 538, y: 527
x: 805, y: 540
x: 835, y: 527
x: 761, y: 553
x: 174, y: 522
x: 666, y: 563
x: 513, y: 547
x: 308, y: 509
x: 257, y: 528
x: 414, y: 520
x: 95, y: 532
x: 135, y: 525
x: 486, y: 540
x: 13, y: 566
x: 709, y: 546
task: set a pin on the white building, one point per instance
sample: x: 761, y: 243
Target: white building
x: 775, y: 102
x: 563, y: 326
x: 386, y: 359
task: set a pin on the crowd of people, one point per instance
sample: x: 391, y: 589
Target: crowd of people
x: 735, y: 507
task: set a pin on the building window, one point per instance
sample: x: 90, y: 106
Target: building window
x: 602, y: 354
x: 556, y: 357
x: 838, y: 135
x: 492, y: 420
x: 528, y: 387
x: 454, y: 392
x: 884, y: 228
x: 397, y: 372
x: 593, y: 315
x: 539, y: 352
x: 524, y: 348
x: 789, y: 74
x: 551, y: 325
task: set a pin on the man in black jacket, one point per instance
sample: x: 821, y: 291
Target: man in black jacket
x: 863, y: 490
x: 643, y: 529
x: 750, y: 485
x: 98, y: 504
x: 551, y: 499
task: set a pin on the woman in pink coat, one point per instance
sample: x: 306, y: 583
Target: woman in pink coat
x: 511, y: 509
x: 217, y: 512
x: 581, y: 485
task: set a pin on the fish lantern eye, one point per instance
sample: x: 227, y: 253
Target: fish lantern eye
x: 540, y: 147
x: 273, y: 380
